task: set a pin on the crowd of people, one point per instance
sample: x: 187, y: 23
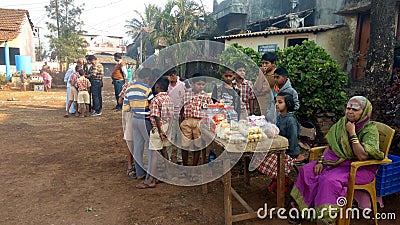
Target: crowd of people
x: 165, y: 118
x: 84, y: 81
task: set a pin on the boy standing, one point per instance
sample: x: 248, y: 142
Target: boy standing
x: 176, y: 90
x: 161, y: 114
x: 137, y: 100
x: 193, y: 103
x: 282, y: 84
x: 83, y: 95
x: 228, y: 92
x: 263, y: 87
x: 127, y: 120
x: 245, y: 87
x: 73, y: 91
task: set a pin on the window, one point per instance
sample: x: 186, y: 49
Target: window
x: 12, y: 51
x: 295, y: 41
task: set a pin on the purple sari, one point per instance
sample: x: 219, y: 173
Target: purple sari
x: 323, y: 191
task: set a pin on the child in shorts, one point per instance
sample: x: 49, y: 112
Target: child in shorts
x: 73, y: 91
x: 194, y: 102
x: 127, y: 119
x: 161, y: 114
x: 83, y: 95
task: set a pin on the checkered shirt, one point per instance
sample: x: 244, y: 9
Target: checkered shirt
x: 269, y: 165
x: 194, y: 104
x: 246, y: 93
x: 162, y: 107
x: 83, y: 84
x: 73, y: 79
x: 96, y: 71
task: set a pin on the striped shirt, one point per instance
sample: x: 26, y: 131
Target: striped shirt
x: 162, y: 107
x: 137, y: 100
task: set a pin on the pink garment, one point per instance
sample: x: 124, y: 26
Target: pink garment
x: 177, y: 93
x: 47, y: 79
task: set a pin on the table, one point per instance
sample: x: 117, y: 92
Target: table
x: 277, y: 146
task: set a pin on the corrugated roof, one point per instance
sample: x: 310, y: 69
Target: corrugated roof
x: 312, y: 29
x: 11, y: 21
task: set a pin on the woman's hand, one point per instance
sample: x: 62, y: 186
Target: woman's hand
x: 351, y: 128
x: 318, y: 169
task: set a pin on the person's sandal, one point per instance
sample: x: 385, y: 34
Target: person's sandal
x: 131, y: 173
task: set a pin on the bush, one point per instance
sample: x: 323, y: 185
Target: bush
x: 237, y: 53
x: 317, y: 78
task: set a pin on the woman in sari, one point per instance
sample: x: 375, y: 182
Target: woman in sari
x: 321, y: 183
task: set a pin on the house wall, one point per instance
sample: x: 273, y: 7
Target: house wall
x: 333, y: 41
x: 25, y: 40
x: 325, y: 12
x: 336, y: 43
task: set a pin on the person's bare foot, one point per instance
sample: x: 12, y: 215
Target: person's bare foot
x: 300, y: 158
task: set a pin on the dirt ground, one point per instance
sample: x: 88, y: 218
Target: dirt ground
x: 56, y: 170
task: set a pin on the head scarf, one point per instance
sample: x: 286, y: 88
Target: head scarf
x: 366, y: 130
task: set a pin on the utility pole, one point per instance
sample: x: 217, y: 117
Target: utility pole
x: 40, y: 47
x: 57, y: 17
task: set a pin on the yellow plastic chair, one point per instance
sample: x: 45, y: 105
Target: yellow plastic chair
x: 386, y: 134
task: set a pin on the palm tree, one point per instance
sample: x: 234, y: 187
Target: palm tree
x: 182, y: 20
x: 147, y: 20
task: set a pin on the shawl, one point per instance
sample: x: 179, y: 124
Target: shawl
x: 367, y: 133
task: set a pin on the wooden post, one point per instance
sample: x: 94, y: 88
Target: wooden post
x: 227, y: 192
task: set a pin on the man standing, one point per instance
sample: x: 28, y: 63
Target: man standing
x: 67, y: 76
x: 96, y: 73
x: 118, y: 76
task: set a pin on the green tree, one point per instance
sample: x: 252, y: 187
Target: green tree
x: 146, y: 20
x: 316, y: 77
x: 65, y: 28
x: 250, y: 57
x: 381, y: 49
x: 183, y: 20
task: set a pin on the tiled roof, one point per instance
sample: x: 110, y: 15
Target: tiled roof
x: 11, y: 21
x: 312, y: 29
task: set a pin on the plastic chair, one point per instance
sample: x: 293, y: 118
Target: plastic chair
x: 386, y: 134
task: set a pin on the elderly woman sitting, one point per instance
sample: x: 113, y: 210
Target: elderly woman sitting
x: 321, y: 183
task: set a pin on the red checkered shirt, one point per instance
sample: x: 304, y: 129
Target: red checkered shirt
x: 269, y: 165
x: 195, y: 103
x: 83, y: 84
x: 73, y: 79
x: 161, y: 106
x: 246, y: 93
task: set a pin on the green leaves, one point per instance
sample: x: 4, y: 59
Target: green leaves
x: 237, y: 53
x: 316, y: 77
x: 65, y: 26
